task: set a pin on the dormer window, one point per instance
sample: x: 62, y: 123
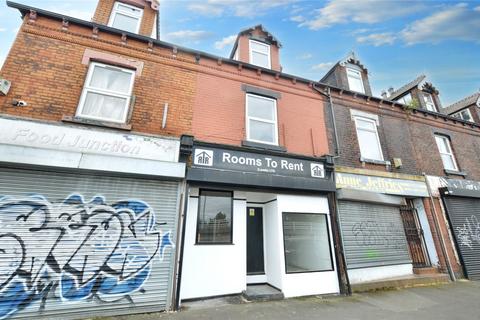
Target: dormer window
x: 429, y: 104
x: 406, y: 99
x: 464, y: 115
x: 126, y: 17
x: 260, y: 54
x: 355, y: 82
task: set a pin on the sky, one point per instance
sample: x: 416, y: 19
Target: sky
x: 395, y: 40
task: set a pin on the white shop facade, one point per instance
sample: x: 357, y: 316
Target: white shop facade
x: 257, y: 217
x: 88, y: 220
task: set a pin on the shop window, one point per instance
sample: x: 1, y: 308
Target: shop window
x: 445, y: 149
x: 368, y: 139
x: 126, y: 17
x: 214, y: 223
x: 261, y: 119
x: 260, y: 54
x: 355, y: 82
x: 106, y: 93
x: 307, y: 244
x: 429, y: 104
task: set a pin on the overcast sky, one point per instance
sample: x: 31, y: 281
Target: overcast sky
x: 395, y: 40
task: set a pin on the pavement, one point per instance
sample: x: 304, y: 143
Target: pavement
x: 453, y: 301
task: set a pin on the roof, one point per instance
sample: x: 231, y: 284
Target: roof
x: 270, y: 37
x: 397, y: 93
x: 462, y: 104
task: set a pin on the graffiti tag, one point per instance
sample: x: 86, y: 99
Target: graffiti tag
x: 371, y: 233
x: 75, y: 250
x: 469, y: 233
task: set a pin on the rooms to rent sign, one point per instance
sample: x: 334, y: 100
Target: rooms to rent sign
x: 233, y: 160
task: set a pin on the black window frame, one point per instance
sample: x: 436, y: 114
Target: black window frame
x: 329, y: 242
x: 198, y: 218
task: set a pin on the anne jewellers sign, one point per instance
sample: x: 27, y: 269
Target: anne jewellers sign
x: 221, y: 159
x: 47, y: 136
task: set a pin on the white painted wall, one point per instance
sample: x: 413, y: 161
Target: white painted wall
x: 313, y: 283
x: 273, y: 241
x: 213, y: 270
x: 379, y: 273
x: 427, y: 233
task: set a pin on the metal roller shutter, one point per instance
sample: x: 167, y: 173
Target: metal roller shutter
x: 80, y: 245
x: 373, y: 235
x: 464, y: 216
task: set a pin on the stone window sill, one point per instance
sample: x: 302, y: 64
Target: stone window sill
x: 455, y: 173
x: 96, y: 123
x: 373, y: 161
x: 263, y: 146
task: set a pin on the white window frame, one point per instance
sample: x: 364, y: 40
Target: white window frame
x: 428, y: 99
x: 404, y: 99
x: 448, y: 153
x: 274, y: 122
x: 357, y: 76
x: 251, y: 50
x: 379, y: 145
x: 116, y: 10
x: 460, y: 116
x: 87, y: 88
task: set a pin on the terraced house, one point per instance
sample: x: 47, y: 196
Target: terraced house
x: 136, y: 175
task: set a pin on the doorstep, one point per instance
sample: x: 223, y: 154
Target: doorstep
x: 262, y: 292
x: 414, y: 280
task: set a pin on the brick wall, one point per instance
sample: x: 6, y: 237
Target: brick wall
x: 46, y: 70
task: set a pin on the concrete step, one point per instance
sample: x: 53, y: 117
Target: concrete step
x: 401, y: 282
x: 428, y: 270
x: 262, y: 292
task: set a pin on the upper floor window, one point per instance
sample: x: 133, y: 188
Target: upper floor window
x: 106, y: 93
x: 464, y: 115
x: 430, y: 105
x: 406, y: 99
x: 355, y: 82
x: 261, y: 119
x: 260, y: 54
x: 126, y: 17
x: 445, y: 149
x: 368, y: 139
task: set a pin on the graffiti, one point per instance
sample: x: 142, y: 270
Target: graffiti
x: 75, y: 250
x: 469, y: 233
x: 371, y: 233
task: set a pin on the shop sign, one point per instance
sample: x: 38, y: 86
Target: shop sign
x: 381, y: 184
x: 67, y: 138
x: 248, y: 162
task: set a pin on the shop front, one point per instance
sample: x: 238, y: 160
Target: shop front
x: 88, y: 221
x: 462, y: 202
x: 383, y: 224
x: 257, y: 217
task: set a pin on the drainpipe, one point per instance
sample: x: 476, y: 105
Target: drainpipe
x: 182, y: 245
x: 439, y: 232
x: 343, y: 278
x: 332, y: 114
x: 158, y: 24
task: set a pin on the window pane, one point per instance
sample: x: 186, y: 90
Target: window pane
x: 111, y: 79
x: 261, y: 108
x: 448, y: 162
x: 306, y: 241
x: 130, y: 10
x: 370, y: 125
x: 103, y: 106
x: 262, y: 131
x: 124, y: 22
x: 466, y: 115
x: 263, y: 48
x: 260, y: 59
x: 355, y: 84
x: 369, y: 146
x: 214, y: 217
x: 428, y: 98
x: 442, y: 144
